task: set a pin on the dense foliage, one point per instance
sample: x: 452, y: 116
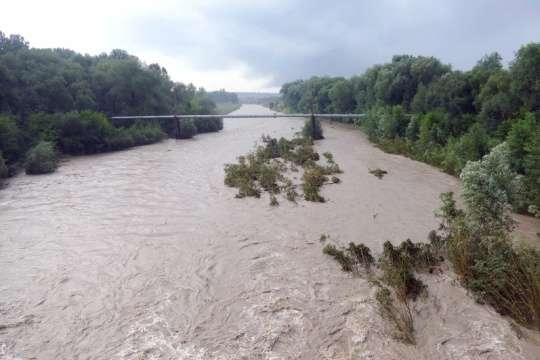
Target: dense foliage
x: 420, y: 107
x: 64, y: 97
x: 41, y: 159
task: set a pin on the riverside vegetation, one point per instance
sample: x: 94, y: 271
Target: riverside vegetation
x: 476, y: 240
x: 420, y: 107
x: 265, y: 168
x: 63, y: 105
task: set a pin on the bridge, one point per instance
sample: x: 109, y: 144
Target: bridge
x: 178, y: 118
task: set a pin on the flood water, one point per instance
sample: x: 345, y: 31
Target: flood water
x: 146, y: 254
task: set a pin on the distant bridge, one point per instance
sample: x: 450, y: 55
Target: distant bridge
x: 177, y: 118
x: 239, y: 116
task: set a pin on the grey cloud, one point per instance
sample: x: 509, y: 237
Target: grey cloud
x: 298, y: 39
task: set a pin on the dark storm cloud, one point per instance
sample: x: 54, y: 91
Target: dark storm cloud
x: 298, y: 39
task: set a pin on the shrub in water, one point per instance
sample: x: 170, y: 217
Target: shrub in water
x: 397, y: 266
x: 313, y: 179
x: 143, y: 134
x: 119, y: 139
x: 378, y: 172
x: 264, y: 168
x: 186, y: 129
x: 400, y: 316
x: 313, y: 129
x: 352, y: 258
x: 41, y: 159
x: 84, y: 132
x: 487, y: 263
x: 204, y: 125
x: 397, y: 284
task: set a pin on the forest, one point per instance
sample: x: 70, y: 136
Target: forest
x: 57, y: 100
x: 422, y: 108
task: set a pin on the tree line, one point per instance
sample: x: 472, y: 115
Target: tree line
x: 65, y: 98
x: 421, y: 107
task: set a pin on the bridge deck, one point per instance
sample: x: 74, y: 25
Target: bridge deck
x: 241, y: 116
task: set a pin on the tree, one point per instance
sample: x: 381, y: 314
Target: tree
x: 496, y: 101
x: 519, y: 140
x: 341, y: 96
x: 489, y: 186
x: 525, y: 73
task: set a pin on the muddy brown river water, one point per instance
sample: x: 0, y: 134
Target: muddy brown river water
x: 146, y: 254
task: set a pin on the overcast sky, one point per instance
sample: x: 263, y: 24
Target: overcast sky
x: 249, y: 45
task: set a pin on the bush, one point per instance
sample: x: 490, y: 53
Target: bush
x: 204, y: 125
x: 263, y: 169
x: 499, y: 274
x: 143, y: 134
x: 84, y: 133
x: 532, y: 173
x: 399, y: 316
x: 397, y: 265
x: 41, y: 159
x: 489, y: 186
x: 43, y: 126
x: 313, y: 179
x: 353, y: 258
x: 397, y: 284
x: 313, y: 129
x: 186, y: 129
x: 11, y: 139
x: 119, y: 139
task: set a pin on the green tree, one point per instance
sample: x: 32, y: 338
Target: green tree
x: 525, y: 73
x: 489, y: 186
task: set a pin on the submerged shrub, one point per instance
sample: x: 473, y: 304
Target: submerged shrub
x: 313, y: 129
x: 400, y: 316
x: 186, y: 129
x: 204, y: 125
x: 41, y: 159
x: 488, y: 264
x: 398, y: 266
x: 143, y: 134
x: 379, y: 173
x: 290, y: 190
x: 313, y: 179
x: 263, y: 169
x: 352, y: 258
x: 119, y: 140
x: 396, y: 282
x: 83, y: 132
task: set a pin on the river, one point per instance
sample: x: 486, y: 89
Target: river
x: 146, y: 254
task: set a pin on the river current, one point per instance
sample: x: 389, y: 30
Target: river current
x: 146, y: 254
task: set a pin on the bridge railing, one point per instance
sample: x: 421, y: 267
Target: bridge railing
x: 239, y: 116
